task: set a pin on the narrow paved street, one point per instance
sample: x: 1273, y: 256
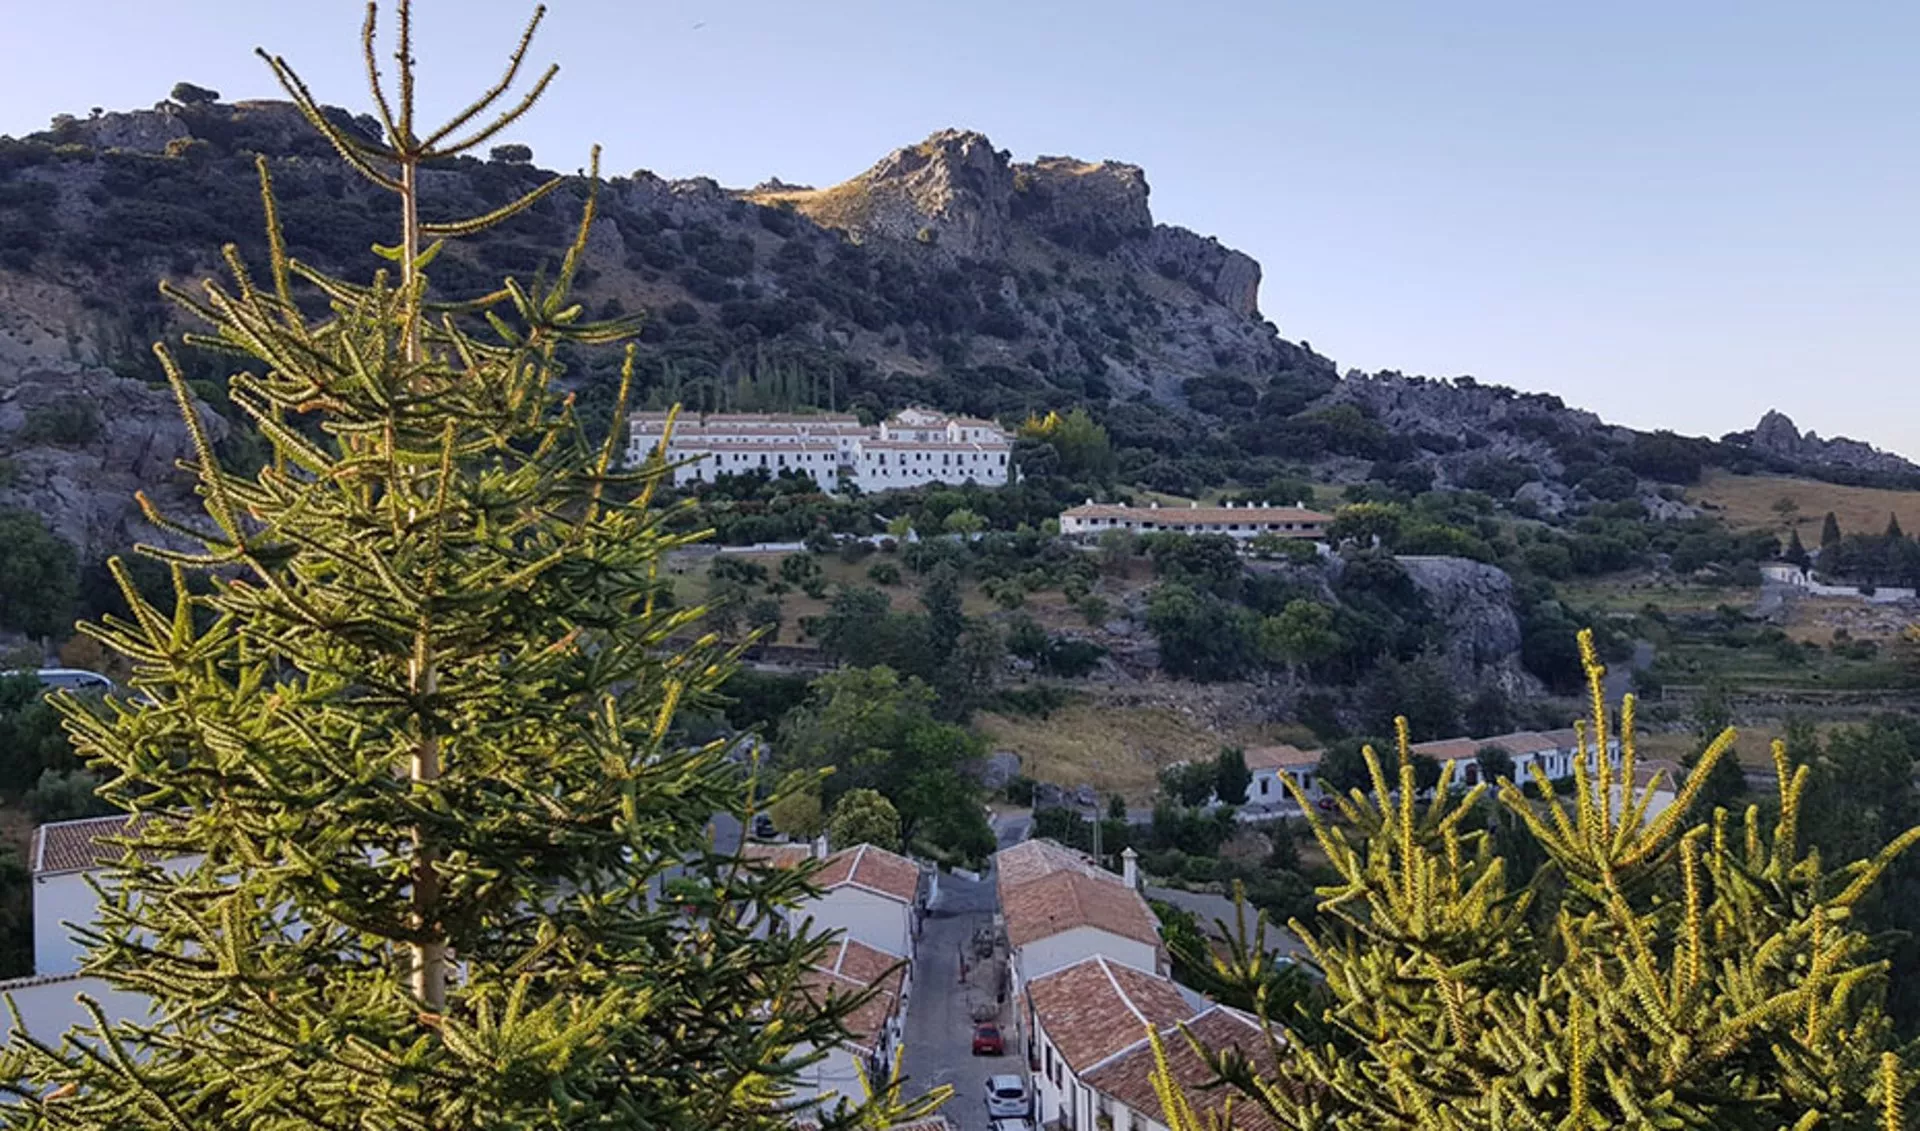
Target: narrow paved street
x: 939, y: 1037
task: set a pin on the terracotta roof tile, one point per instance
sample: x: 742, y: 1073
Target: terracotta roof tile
x: 1096, y: 1008
x: 1063, y: 901
x: 1280, y: 757
x: 1031, y: 859
x: 1521, y: 742
x: 1128, y: 1077
x: 74, y: 846
x: 777, y: 855
x: 849, y: 968
x: 1443, y: 749
x: 875, y: 869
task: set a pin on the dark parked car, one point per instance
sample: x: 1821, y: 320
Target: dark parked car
x: 987, y: 1042
x: 763, y: 827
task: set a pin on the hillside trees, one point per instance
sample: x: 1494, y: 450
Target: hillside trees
x: 1691, y: 970
x: 874, y: 729
x: 419, y: 746
x: 39, y: 576
x: 863, y: 816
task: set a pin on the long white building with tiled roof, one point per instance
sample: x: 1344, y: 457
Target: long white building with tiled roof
x: 913, y: 448
x: 1244, y: 522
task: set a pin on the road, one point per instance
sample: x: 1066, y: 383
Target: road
x: 939, y: 1031
x: 1214, y: 909
x: 1619, y: 679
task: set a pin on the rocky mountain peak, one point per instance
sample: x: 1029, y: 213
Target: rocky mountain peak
x: 1778, y: 437
x: 956, y: 193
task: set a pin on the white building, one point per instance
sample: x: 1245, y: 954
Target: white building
x: 63, y: 857
x: 1058, y: 907
x: 913, y: 448
x: 1554, y: 751
x: 1247, y: 522
x: 871, y: 895
x: 1272, y: 765
x: 1084, y: 1015
x: 874, y: 1029
x: 1123, y: 1084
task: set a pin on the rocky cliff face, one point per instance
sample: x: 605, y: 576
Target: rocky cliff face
x: 1474, y: 602
x: 78, y: 443
x: 1777, y: 436
x: 956, y: 192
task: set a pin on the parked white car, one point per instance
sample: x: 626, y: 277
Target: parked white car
x: 67, y: 679
x: 1007, y: 1098
x: 1021, y: 1124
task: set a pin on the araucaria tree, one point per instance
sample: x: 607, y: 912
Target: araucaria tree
x: 416, y: 736
x: 1660, y: 971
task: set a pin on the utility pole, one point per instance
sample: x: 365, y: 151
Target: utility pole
x: 1097, y: 858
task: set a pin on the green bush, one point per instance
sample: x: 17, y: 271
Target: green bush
x: 66, y: 423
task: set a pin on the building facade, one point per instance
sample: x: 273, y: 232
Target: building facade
x: 1242, y: 523
x: 913, y: 448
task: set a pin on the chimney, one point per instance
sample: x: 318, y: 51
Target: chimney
x: 820, y: 847
x: 1130, y: 868
x: 1194, y: 505
x: 1155, y: 504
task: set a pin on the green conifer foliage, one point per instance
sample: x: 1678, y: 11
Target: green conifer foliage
x: 417, y: 734
x: 1667, y: 971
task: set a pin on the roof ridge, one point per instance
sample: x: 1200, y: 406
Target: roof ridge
x: 1125, y: 997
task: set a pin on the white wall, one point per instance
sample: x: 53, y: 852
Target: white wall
x: 1041, y: 957
x: 65, y: 897
x: 865, y: 917
x: 49, y: 1009
x: 835, y: 1076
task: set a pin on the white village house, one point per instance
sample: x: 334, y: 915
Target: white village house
x: 912, y: 448
x: 64, y: 856
x: 1058, y: 907
x: 1272, y: 766
x: 875, y: 896
x: 874, y: 1029
x: 1086, y: 1014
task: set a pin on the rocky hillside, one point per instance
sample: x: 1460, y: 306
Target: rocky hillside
x: 948, y: 273
x: 1776, y: 437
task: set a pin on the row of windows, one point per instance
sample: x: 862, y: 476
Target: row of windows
x: 946, y: 458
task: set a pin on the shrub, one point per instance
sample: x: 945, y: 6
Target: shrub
x: 66, y: 423
x: 883, y: 573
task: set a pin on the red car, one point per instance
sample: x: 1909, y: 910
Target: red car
x: 987, y: 1042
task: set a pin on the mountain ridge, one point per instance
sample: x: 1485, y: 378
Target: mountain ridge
x: 946, y: 273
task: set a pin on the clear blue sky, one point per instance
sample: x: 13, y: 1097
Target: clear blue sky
x: 1677, y: 215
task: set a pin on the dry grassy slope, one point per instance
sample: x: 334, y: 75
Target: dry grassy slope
x: 1119, y: 748
x: 1749, y: 501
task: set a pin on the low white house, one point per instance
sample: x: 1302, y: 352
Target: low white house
x: 64, y: 857
x: 1123, y: 1084
x: 1273, y: 766
x: 1058, y: 907
x: 913, y: 448
x: 1084, y: 1015
x: 872, y: 895
x: 874, y: 1029
x: 1245, y: 523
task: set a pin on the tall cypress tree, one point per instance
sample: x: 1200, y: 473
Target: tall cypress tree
x: 1893, y: 531
x: 1829, y: 531
x: 1660, y: 970
x: 1796, y: 550
x: 418, y: 735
